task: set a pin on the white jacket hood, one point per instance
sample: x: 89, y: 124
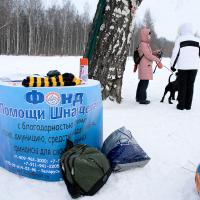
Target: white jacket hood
x: 186, y: 29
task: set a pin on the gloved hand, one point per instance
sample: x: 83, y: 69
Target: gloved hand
x: 160, y: 65
x: 159, y: 54
x: 173, y: 69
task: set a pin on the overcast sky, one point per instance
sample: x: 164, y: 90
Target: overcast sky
x: 167, y: 14
x: 170, y: 14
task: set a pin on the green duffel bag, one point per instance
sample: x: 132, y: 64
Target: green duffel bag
x: 85, y: 170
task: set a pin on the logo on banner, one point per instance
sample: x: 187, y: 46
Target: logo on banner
x: 52, y: 98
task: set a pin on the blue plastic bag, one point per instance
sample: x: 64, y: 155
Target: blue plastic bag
x: 123, y: 151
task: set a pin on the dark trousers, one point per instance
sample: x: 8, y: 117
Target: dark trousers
x: 186, y: 80
x: 141, y: 93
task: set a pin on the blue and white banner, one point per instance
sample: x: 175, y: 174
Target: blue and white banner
x: 35, y: 123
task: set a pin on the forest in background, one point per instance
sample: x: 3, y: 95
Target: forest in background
x: 28, y: 28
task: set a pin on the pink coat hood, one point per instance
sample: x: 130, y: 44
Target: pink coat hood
x: 144, y: 32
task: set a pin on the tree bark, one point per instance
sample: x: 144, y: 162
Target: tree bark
x: 18, y: 24
x: 8, y: 40
x: 112, y: 47
x: 30, y: 49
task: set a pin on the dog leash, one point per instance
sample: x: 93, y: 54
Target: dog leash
x: 154, y: 70
x: 165, y: 68
x: 168, y: 69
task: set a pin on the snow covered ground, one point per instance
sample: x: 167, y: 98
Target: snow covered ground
x: 169, y: 136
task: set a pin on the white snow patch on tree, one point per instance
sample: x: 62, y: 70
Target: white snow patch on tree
x: 107, y: 8
x: 125, y: 2
x: 115, y: 46
x: 102, y: 27
x: 126, y: 20
x: 112, y: 77
x: 125, y: 12
x: 112, y: 27
x: 119, y: 30
x: 118, y: 11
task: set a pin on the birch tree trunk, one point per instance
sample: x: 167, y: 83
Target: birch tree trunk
x: 112, y: 47
x: 8, y: 40
x: 64, y: 36
x: 30, y: 46
x: 17, y: 16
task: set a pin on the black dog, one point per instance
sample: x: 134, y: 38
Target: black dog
x: 171, y: 87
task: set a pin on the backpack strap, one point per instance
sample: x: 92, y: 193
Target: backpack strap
x: 199, y: 48
x: 189, y: 43
x: 177, y: 56
x: 141, y: 55
x: 69, y: 145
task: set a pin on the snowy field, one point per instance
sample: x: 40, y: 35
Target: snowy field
x: 169, y: 136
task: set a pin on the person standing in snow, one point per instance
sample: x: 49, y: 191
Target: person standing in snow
x: 145, y: 71
x: 185, y: 57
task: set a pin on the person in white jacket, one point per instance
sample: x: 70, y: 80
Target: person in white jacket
x: 186, y: 59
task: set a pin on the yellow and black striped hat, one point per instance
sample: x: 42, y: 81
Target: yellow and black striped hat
x: 66, y: 79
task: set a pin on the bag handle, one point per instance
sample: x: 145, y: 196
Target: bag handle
x: 69, y: 145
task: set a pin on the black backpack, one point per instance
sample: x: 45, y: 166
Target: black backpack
x: 136, y: 58
x: 85, y: 169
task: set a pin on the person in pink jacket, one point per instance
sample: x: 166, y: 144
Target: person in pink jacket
x: 145, y: 71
